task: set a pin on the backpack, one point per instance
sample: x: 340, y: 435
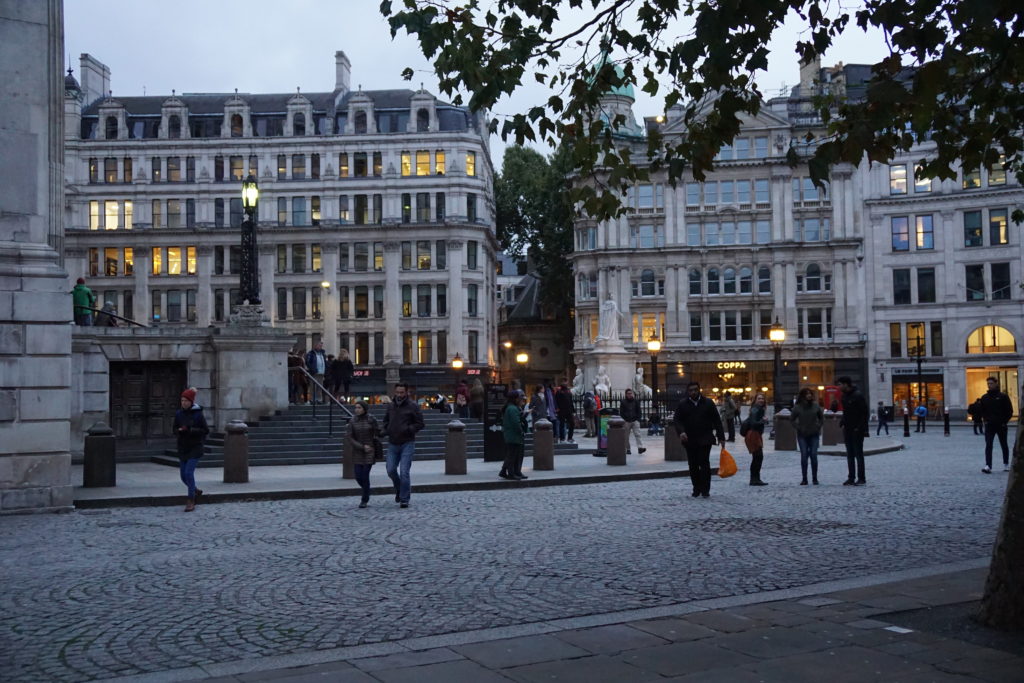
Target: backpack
x: 588, y: 403
x: 745, y: 427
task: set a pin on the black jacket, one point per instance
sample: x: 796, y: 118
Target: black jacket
x: 701, y: 422
x: 996, y: 407
x: 402, y: 421
x: 563, y: 404
x: 191, y: 428
x: 855, y: 414
x: 629, y: 409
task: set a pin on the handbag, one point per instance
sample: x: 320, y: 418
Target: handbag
x: 726, y: 464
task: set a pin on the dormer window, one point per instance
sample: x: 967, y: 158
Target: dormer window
x: 110, y: 128
x: 422, y: 121
x: 360, y: 123
x: 236, y: 125
x: 174, y: 126
x: 299, y: 124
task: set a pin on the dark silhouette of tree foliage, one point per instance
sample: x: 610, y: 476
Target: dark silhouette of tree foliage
x: 953, y: 73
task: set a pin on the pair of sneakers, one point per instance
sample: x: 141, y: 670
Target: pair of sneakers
x: 988, y: 470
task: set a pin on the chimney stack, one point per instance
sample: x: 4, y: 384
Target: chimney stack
x: 342, y: 74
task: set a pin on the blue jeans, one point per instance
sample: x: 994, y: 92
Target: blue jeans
x: 362, y: 473
x: 188, y: 475
x: 808, y: 444
x: 399, y: 460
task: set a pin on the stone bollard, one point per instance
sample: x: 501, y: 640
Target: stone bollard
x: 543, y: 445
x: 675, y: 451
x: 236, y: 453
x: 831, y: 432
x: 785, y: 433
x: 100, y: 457
x: 616, y: 441
x: 455, y: 448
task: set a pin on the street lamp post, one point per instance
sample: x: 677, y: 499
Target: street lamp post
x: 506, y: 362
x: 653, y: 347
x: 523, y: 358
x: 249, y: 279
x: 777, y: 335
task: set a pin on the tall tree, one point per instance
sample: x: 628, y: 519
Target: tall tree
x: 954, y: 76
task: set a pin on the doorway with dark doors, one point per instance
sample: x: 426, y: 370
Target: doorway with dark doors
x: 143, y: 398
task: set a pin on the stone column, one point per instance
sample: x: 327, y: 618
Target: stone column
x: 142, y: 304
x: 204, y: 295
x: 329, y: 302
x: 673, y: 309
x: 267, y: 263
x: 456, y: 300
x: 35, y: 309
x: 392, y: 304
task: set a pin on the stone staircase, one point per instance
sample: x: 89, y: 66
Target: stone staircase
x: 295, y: 437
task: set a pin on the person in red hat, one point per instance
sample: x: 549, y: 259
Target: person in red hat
x: 191, y: 428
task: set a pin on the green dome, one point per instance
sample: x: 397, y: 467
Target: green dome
x: 625, y: 90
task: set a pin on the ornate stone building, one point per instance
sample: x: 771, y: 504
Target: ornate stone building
x: 375, y: 218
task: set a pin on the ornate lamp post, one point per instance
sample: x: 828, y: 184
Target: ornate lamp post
x: 249, y: 280
x: 777, y: 335
x: 457, y: 362
x: 653, y: 347
x: 523, y: 358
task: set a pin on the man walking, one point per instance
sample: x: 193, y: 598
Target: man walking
x: 316, y: 364
x: 883, y: 419
x: 855, y: 428
x: 402, y: 421
x: 83, y: 300
x: 566, y: 414
x: 699, y: 425
x: 629, y: 410
x: 996, y: 411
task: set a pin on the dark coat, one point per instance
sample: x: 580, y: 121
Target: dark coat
x: 855, y: 414
x: 191, y: 428
x: 362, y: 430
x: 996, y: 408
x: 629, y: 409
x: 512, y: 424
x: 701, y: 422
x: 402, y: 421
x: 807, y: 418
x: 345, y: 369
x: 563, y: 405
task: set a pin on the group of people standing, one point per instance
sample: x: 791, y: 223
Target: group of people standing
x: 332, y: 373
x: 808, y: 418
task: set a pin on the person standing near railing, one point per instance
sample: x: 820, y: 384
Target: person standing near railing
x: 83, y: 300
x: 316, y: 364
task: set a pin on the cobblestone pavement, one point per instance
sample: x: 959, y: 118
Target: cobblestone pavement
x: 128, y: 591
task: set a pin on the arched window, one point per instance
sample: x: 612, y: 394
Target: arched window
x: 764, y: 280
x: 746, y: 280
x: 111, y: 128
x: 236, y: 125
x: 812, y: 283
x: 174, y: 126
x: 729, y: 284
x: 696, y: 288
x: 714, y: 281
x: 422, y: 121
x: 360, y: 122
x: 647, y: 282
x: 299, y: 124
x: 991, y: 339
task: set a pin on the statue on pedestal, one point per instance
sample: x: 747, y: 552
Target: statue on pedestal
x: 602, y: 383
x: 639, y: 388
x: 608, y: 322
x: 577, y: 383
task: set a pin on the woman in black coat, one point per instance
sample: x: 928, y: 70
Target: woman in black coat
x: 191, y: 429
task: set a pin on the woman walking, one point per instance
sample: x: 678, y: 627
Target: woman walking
x: 362, y: 442
x: 191, y: 428
x: 754, y: 439
x: 512, y: 430
x: 808, y: 418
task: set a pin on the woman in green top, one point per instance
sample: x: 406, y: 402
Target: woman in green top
x: 512, y: 431
x: 808, y: 418
x: 754, y: 439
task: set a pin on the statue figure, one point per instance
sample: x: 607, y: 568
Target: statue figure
x: 603, y: 383
x: 639, y: 388
x: 577, y: 383
x: 608, y: 321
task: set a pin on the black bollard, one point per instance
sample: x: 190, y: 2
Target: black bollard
x: 906, y: 423
x: 100, y: 467
x: 945, y: 422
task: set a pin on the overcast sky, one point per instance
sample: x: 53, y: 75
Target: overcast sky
x: 265, y: 46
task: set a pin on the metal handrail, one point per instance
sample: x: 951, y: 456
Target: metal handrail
x: 330, y: 405
x: 112, y: 315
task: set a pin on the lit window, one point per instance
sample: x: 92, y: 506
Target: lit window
x: 174, y: 260
x: 157, y: 261
x: 972, y: 179
x: 422, y: 162
x: 406, y: 163
x: 997, y: 227
x: 190, y: 260
x: 925, y: 236
x: 439, y: 162
x: 471, y: 163
x: 898, y: 179
x: 997, y: 173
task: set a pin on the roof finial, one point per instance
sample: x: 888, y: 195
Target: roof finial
x: 236, y: 91
x: 297, y: 91
x: 172, y: 92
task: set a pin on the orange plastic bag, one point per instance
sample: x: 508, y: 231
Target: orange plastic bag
x: 726, y: 464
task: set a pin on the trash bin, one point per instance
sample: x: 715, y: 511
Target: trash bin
x: 603, y: 416
x: 785, y: 432
x: 100, y: 467
x: 831, y: 432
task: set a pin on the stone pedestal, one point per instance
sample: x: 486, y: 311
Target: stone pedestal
x: 251, y: 370
x: 675, y: 451
x: 619, y: 364
x: 785, y: 433
x: 455, y: 448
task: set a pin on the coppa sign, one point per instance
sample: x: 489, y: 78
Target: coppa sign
x: 732, y: 365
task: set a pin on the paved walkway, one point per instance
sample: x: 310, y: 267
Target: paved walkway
x: 151, y: 484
